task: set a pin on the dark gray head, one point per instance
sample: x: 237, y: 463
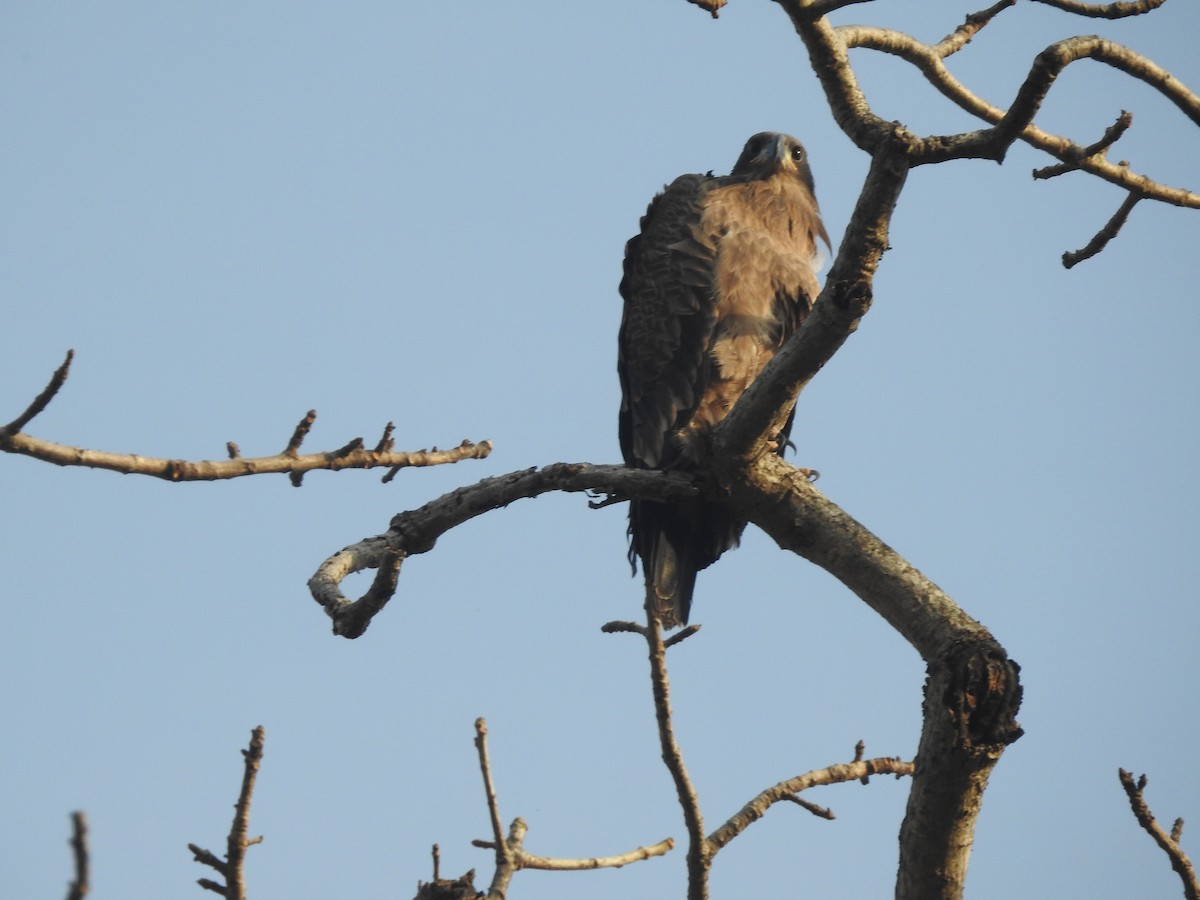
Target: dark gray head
x: 769, y: 153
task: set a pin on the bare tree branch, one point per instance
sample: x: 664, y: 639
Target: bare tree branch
x: 79, y: 887
x: 1105, y: 234
x: 1168, y: 842
x: 858, y: 770
x: 1104, y: 10
x: 416, y: 531
x: 42, y: 400
x: 699, y: 855
x: 232, y: 868
x: 974, y: 23
x: 511, y: 855
x: 700, y: 852
x: 1016, y: 121
x: 973, y: 691
x: 1111, y: 135
x: 350, y: 456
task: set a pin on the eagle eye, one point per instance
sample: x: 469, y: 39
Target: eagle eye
x: 797, y: 154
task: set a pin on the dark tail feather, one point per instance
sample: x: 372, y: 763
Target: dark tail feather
x: 674, y: 542
x: 670, y: 579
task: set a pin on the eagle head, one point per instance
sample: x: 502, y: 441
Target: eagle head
x: 772, y: 153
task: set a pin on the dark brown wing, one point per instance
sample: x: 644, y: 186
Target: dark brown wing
x: 668, y: 319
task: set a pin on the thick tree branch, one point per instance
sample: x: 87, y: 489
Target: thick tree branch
x: 1104, y: 10
x: 353, y: 455
x: 1168, y: 842
x: 972, y: 693
x: 232, y: 868
x: 416, y: 531
x: 755, y: 420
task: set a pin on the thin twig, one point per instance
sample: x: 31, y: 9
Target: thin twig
x: 489, y: 787
x: 351, y: 455
x: 42, y: 400
x: 974, y: 23
x: 78, y: 889
x: 1112, y: 134
x: 348, y: 457
x: 787, y: 790
x: 511, y: 855
x: 301, y: 432
x: 1110, y: 230
x: 699, y: 858
x: 1168, y: 842
x: 554, y: 864
x: 232, y: 868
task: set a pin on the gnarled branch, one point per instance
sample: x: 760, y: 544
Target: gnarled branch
x: 416, y: 531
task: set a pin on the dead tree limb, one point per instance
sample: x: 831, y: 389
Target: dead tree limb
x: 232, y: 867
x: 352, y: 455
x: 81, y: 884
x: 511, y: 855
x: 1169, y: 842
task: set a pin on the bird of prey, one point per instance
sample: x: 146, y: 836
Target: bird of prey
x: 721, y: 274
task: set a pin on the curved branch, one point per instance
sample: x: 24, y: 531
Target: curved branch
x: 1104, y: 10
x: 1105, y: 234
x: 1016, y: 122
x: 973, y: 691
x: 416, y: 531
x: 556, y: 864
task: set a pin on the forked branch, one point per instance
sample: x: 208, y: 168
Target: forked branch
x: 857, y: 770
x: 511, y: 855
x: 829, y: 47
x: 232, y: 867
x: 1168, y: 841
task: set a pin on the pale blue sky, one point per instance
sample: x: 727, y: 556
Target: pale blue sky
x: 416, y: 212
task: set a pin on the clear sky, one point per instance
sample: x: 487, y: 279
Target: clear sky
x: 238, y: 212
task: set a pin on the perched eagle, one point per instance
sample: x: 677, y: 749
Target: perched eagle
x: 722, y: 273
